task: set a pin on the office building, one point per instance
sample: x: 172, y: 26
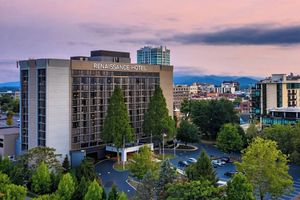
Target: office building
x: 64, y: 102
x: 8, y: 140
x: 279, y: 93
x: 229, y: 87
x: 153, y: 55
x: 180, y: 92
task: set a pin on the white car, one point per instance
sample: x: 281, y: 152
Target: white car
x: 192, y: 160
x: 221, y: 183
x: 218, y: 162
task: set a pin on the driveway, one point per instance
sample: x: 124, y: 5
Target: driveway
x: 108, y: 175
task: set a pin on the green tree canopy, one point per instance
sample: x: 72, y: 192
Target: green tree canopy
x: 10, y: 191
x: 66, y: 187
x: 187, y: 132
x: 146, y: 189
x: 202, y: 170
x: 193, y: 190
x: 86, y: 169
x: 167, y: 175
x: 66, y: 164
x: 283, y: 135
x: 251, y: 132
x: 113, y: 193
x: 142, y: 162
x: 40, y: 180
x: 116, y: 127
x: 81, y: 188
x: 33, y: 157
x: 157, y: 120
x: 229, y: 139
x: 239, y: 188
x: 266, y: 168
x: 94, y: 191
x: 122, y: 196
x: 211, y: 115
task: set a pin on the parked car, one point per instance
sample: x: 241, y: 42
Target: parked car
x: 230, y: 173
x: 218, y: 162
x: 225, y: 159
x: 221, y: 183
x: 191, y: 160
x: 182, y: 163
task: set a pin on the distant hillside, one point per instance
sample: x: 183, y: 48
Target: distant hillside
x: 10, y: 85
x: 216, y: 80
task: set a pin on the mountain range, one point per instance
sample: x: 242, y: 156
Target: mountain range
x: 188, y: 80
x: 10, y: 85
x: 216, y: 80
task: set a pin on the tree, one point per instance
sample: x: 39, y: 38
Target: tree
x: 41, y: 181
x: 33, y: 157
x: 122, y: 196
x: 142, y: 162
x: 113, y: 193
x: 10, y: 191
x: 14, y: 192
x: 229, y: 139
x: 94, y: 191
x: 193, y: 190
x: 6, y: 166
x: 266, y: 168
x: 47, y: 197
x: 167, y: 175
x: 116, y: 127
x: 81, y: 188
x: 186, y: 107
x: 202, y: 170
x: 239, y: 188
x: 187, y: 132
x: 251, y: 132
x: 283, y: 135
x: 211, y: 115
x: 157, y: 121
x: 9, y: 120
x: 66, y: 164
x: 66, y: 187
x: 146, y: 189
x: 86, y: 169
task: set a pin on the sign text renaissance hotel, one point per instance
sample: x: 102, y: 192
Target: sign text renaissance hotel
x: 64, y: 102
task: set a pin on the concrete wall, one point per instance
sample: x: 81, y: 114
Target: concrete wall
x: 58, y: 106
x: 32, y: 105
x: 166, y: 84
x: 271, y: 96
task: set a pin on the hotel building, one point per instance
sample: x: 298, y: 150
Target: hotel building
x: 276, y: 100
x: 64, y: 102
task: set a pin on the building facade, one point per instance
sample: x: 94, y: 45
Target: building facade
x: 8, y: 140
x: 153, y: 55
x: 64, y: 102
x: 180, y: 92
x: 280, y: 91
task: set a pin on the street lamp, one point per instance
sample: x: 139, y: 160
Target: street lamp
x: 163, y: 142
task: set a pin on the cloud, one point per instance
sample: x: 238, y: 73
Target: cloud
x: 79, y: 43
x: 110, y: 30
x: 246, y: 35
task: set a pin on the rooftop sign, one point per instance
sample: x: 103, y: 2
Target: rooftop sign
x: 117, y: 66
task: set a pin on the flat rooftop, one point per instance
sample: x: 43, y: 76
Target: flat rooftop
x: 9, y: 131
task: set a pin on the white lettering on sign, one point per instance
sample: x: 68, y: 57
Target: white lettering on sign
x: 122, y: 67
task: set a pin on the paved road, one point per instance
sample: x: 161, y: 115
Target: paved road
x: 109, y: 176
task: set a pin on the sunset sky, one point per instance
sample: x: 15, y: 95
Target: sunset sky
x: 230, y: 37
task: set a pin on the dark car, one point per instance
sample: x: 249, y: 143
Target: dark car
x: 230, y: 174
x: 182, y: 163
x: 225, y: 159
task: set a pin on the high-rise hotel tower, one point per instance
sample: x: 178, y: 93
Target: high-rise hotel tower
x: 64, y: 102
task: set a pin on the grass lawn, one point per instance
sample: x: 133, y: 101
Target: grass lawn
x: 119, y: 166
x: 167, y: 156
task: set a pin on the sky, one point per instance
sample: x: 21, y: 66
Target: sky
x: 232, y: 37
